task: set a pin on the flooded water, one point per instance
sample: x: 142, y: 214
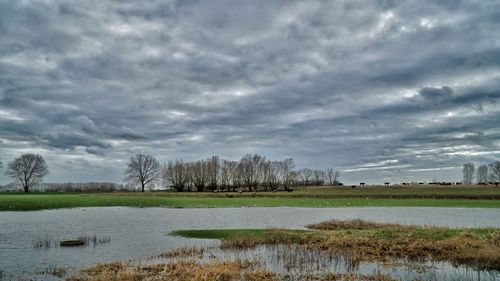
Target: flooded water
x: 135, y: 233
x: 297, y: 261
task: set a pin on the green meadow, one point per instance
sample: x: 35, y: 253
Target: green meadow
x: 484, y: 197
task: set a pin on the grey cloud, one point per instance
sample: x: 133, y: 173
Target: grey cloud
x: 432, y: 93
x: 341, y: 83
x: 70, y: 140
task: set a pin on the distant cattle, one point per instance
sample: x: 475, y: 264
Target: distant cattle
x: 386, y: 183
x: 362, y: 183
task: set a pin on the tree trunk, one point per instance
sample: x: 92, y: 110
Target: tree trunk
x: 26, y: 188
x: 142, y: 188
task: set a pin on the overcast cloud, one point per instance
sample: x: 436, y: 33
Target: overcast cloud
x: 382, y: 90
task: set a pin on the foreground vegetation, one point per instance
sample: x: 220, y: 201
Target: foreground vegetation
x: 485, y: 197
x: 362, y: 241
x: 189, y: 270
x: 389, y: 244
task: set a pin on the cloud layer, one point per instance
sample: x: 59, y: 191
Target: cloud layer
x: 382, y: 90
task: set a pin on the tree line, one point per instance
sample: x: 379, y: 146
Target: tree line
x: 484, y: 174
x: 252, y: 171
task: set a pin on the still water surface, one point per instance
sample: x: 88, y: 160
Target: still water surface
x: 137, y: 233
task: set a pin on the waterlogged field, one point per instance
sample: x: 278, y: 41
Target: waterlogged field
x: 463, y: 196
x: 144, y: 243
x: 337, y: 250
x: 213, y: 235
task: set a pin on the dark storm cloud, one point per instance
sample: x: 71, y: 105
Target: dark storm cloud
x: 384, y: 90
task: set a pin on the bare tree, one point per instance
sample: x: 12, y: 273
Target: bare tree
x: 332, y: 176
x: 199, y: 174
x: 29, y: 169
x: 286, y: 174
x: 142, y: 170
x: 482, y: 174
x: 305, y: 176
x: 176, y: 173
x: 294, y: 179
x: 468, y: 173
x: 318, y: 177
x: 224, y: 174
x: 272, y: 174
x: 252, y: 168
x: 213, y: 172
x: 236, y: 174
x: 495, y: 171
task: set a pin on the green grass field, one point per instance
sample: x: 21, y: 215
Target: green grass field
x: 485, y: 197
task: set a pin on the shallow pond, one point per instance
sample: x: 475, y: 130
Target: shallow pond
x: 136, y: 233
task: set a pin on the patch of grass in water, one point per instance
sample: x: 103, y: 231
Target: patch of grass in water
x: 479, y: 248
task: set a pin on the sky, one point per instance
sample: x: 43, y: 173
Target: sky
x: 380, y: 90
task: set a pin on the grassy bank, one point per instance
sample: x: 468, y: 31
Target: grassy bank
x: 312, y: 198
x: 479, y: 248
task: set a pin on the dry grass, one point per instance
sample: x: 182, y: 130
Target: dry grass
x: 350, y: 224
x: 190, y: 270
x: 184, y: 252
x: 181, y: 270
x: 461, y: 250
x: 365, y: 241
x: 355, y: 277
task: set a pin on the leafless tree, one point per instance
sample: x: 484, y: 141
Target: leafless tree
x: 273, y: 174
x: 29, y: 169
x: 332, y: 176
x: 482, y: 174
x: 213, y: 172
x: 224, y: 174
x: 305, y: 176
x: 176, y: 173
x: 318, y: 177
x: 252, y: 168
x: 495, y: 171
x: 199, y: 174
x: 294, y: 178
x: 236, y: 174
x: 287, y: 177
x: 143, y: 170
x: 468, y: 173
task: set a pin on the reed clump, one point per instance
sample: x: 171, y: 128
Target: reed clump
x: 184, y: 252
x: 44, y: 242
x: 92, y: 239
